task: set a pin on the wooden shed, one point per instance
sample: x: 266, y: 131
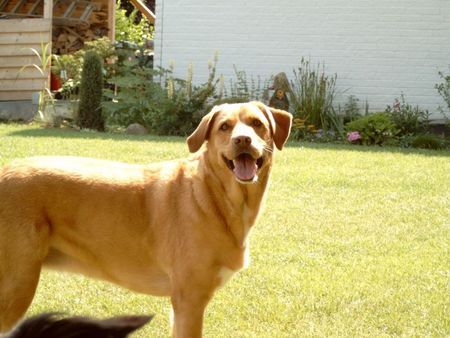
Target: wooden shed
x: 27, y: 24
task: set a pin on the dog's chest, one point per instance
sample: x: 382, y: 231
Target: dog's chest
x: 225, y: 273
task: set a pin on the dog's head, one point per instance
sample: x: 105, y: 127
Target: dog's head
x: 241, y: 137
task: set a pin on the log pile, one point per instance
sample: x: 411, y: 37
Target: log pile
x: 70, y: 33
x: 70, y: 39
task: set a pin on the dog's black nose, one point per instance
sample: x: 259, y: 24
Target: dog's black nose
x: 242, y: 140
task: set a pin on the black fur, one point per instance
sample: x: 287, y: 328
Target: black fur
x: 51, y: 325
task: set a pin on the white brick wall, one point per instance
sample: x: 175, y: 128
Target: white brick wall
x: 378, y: 48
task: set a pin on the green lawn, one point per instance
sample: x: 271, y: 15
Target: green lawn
x: 354, y: 241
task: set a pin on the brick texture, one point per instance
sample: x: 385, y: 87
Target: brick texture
x: 378, y: 49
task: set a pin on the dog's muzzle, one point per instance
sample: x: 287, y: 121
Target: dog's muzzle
x: 245, y: 167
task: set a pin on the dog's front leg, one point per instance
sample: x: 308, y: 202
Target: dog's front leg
x: 189, y: 302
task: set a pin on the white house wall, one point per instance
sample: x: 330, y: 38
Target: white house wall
x: 379, y: 49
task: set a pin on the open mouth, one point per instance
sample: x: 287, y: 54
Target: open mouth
x: 245, y: 167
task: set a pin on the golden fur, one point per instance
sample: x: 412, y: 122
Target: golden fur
x: 172, y: 229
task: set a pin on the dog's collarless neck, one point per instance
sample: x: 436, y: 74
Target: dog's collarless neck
x: 237, y: 204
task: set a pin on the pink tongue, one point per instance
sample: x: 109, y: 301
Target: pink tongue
x: 245, y: 167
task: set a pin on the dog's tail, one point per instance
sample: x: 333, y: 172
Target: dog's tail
x: 51, y: 325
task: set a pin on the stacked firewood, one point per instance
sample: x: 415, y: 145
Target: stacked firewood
x: 70, y: 34
x: 70, y: 39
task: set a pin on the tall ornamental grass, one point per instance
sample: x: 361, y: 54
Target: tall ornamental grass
x: 313, y: 93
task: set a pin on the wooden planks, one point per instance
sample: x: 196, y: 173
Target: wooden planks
x: 25, y: 38
x: 19, y: 61
x: 24, y: 25
x: 16, y: 95
x: 18, y: 85
x: 48, y: 9
x: 17, y: 37
x: 19, y: 50
x: 19, y: 73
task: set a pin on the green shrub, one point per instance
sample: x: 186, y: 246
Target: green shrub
x: 128, y: 29
x: 187, y: 103
x: 172, y: 107
x: 428, y: 141
x: 91, y: 87
x: 137, y: 100
x: 376, y: 128
x: 408, y: 120
x: 312, y: 95
x: 71, y: 65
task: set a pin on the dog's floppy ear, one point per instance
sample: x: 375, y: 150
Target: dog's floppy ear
x: 201, y: 133
x: 280, y: 122
x: 283, y: 121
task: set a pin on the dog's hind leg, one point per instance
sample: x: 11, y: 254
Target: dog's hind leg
x: 21, y: 255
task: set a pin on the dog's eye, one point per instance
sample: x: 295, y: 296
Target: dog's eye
x: 256, y: 123
x: 224, y: 126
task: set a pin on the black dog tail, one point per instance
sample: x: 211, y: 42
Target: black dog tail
x: 51, y: 325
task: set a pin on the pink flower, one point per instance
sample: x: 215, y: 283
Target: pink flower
x: 353, y: 136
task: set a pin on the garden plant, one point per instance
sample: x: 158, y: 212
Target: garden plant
x: 90, y: 114
x: 45, y: 98
x: 312, y: 95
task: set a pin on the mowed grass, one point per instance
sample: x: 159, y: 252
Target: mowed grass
x: 354, y: 241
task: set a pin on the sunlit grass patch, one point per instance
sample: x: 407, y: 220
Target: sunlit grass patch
x: 354, y: 241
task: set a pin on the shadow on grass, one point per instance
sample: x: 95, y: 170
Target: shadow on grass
x: 366, y: 149
x: 92, y: 135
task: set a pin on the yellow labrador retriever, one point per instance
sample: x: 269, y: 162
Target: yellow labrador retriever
x: 175, y: 229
